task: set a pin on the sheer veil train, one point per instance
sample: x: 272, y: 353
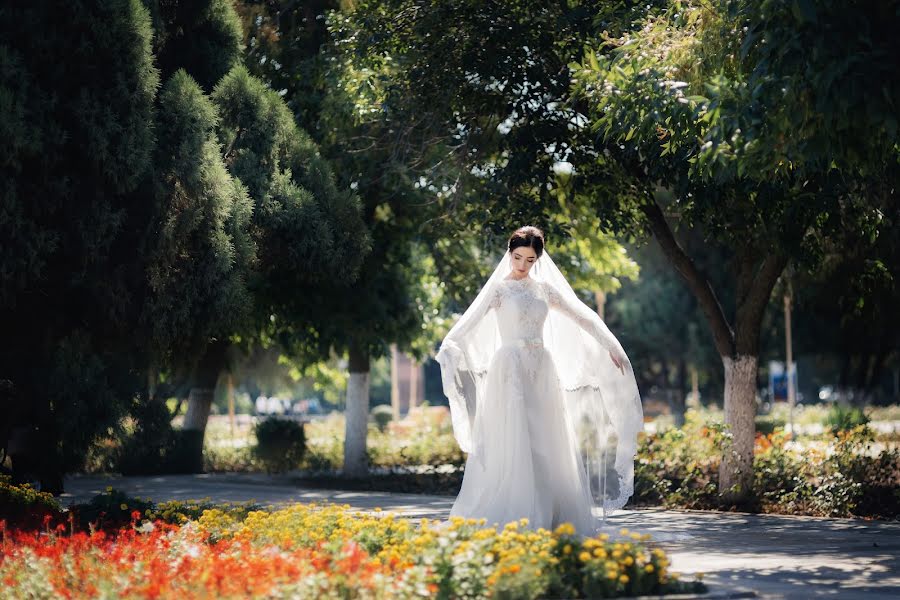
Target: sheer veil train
x: 539, y: 321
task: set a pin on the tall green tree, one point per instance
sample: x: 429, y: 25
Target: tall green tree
x: 303, y: 229
x: 711, y: 102
x: 77, y: 102
x: 203, y: 37
x: 736, y: 111
x: 297, y: 49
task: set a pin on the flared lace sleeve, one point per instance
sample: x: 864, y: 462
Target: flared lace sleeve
x: 586, y: 318
x: 471, y: 320
x: 464, y: 356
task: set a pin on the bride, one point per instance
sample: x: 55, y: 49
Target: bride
x: 542, y: 397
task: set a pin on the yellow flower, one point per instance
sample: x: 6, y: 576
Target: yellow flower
x: 623, y: 579
x: 623, y: 532
x: 567, y: 549
x: 648, y: 568
x: 123, y: 506
x: 600, y: 553
x: 584, y: 557
x: 629, y: 561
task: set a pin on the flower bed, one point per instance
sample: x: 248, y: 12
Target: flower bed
x: 322, y: 551
x: 842, y: 475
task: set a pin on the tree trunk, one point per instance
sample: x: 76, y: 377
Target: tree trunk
x: 736, y: 469
x: 199, y: 407
x: 203, y: 387
x: 356, y: 414
x: 757, y: 269
x: 678, y: 400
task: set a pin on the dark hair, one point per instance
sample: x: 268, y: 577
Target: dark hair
x: 527, y: 237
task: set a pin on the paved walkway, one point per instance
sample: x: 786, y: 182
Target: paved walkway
x: 773, y: 556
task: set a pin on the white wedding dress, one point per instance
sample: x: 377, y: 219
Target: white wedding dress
x: 536, y: 444
x: 527, y: 465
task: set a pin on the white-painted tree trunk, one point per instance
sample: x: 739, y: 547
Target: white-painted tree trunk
x: 357, y: 425
x: 199, y: 407
x: 736, y: 470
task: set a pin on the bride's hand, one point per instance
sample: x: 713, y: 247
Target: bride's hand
x: 619, y: 362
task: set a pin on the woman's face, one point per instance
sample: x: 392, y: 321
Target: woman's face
x: 522, y: 260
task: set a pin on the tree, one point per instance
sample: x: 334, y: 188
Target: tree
x: 782, y: 155
x: 663, y: 328
x: 203, y: 37
x: 200, y: 253
x: 131, y: 250
x: 290, y: 47
x: 752, y: 161
x: 303, y: 228
x: 78, y: 130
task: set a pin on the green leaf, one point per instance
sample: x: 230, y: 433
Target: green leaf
x: 804, y: 11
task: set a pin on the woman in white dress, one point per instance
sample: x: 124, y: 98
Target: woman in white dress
x: 542, y: 396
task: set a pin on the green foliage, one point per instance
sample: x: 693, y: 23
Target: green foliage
x: 844, y: 418
x: 280, y: 444
x: 23, y: 506
x: 203, y: 37
x: 111, y: 509
x: 849, y: 480
x: 382, y: 414
x: 679, y: 468
x: 78, y: 121
x: 308, y: 232
x: 202, y: 250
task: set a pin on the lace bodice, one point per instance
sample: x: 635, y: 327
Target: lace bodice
x: 522, y: 306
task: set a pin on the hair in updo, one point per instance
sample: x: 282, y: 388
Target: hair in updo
x: 527, y: 237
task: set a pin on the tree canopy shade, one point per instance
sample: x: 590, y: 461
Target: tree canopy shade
x: 203, y: 37
x: 732, y: 117
x: 202, y: 251
x: 78, y: 141
x: 311, y: 230
x: 129, y: 246
x: 304, y: 229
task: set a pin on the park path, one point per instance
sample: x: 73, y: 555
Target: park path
x: 741, y: 555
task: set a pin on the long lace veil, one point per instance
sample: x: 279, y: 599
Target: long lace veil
x: 603, y: 405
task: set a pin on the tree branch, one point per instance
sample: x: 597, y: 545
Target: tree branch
x: 699, y: 285
x: 749, y: 314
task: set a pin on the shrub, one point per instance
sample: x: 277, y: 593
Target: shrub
x: 382, y: 414
x: 22, y: 505
x: 280, y: 444
x: 843, y: 418
x: 679, y: 467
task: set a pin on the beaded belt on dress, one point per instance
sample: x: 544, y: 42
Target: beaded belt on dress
x: 526, y: 343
